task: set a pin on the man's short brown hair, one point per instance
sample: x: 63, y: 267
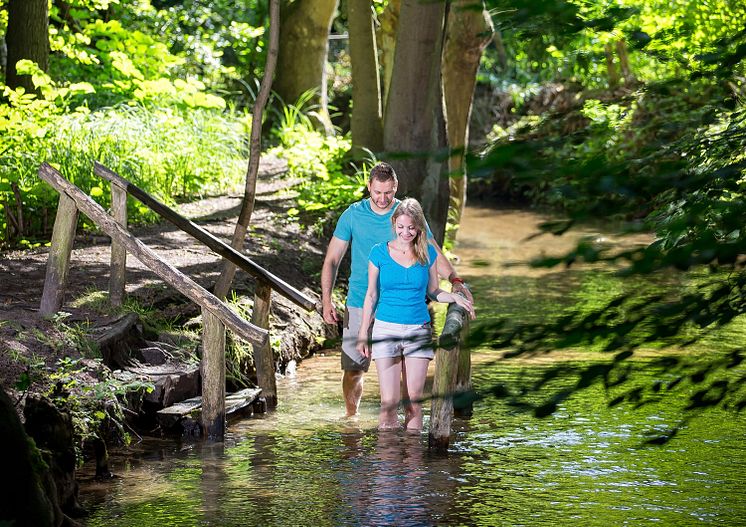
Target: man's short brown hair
x: 382, y: 172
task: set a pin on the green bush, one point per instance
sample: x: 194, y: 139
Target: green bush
x: 318, y: 161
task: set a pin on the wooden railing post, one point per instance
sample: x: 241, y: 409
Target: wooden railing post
x: 58, y: 264
x: 263, y: 359
x: 464, y: 407
x: 212, y: 369
x: 117, y: 280
x: 444, y: 382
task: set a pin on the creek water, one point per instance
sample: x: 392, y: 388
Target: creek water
x: 586, y: 464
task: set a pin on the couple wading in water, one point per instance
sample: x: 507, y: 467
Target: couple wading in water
x: 395, y: 265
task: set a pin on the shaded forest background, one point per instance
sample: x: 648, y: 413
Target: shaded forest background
x: 627, y: 111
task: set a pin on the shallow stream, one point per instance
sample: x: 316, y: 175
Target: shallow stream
x: 587, y: 464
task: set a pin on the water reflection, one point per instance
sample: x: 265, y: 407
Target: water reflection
x: 396, y: 484
x: 211, y: 482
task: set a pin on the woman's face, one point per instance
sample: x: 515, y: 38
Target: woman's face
x: 405, y: 229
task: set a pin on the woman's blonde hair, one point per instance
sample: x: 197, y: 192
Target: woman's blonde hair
x: 412, y: 208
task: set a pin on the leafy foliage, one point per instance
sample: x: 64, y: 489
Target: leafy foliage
x: 664, y: 153
x: 317, y: 161
x: 96, y: 409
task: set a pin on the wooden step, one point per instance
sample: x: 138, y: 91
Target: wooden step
x: 187, y: 413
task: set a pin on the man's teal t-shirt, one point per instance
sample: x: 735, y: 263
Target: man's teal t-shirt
x: 361, y: 226
x: 401, y: 290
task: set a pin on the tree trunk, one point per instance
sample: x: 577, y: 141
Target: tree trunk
x: 386, y: 38
x: 27, y: 37
x: 367, y: 118
x: 225, y: 280
x: 611, y: 67
x: 302, y: 57
x: 627, y: 75
x: 468, y: 31
x: 414, y: 121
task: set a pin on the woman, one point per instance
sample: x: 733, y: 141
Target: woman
x: 400, y: 272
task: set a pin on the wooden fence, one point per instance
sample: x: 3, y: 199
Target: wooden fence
x: 216, y: 315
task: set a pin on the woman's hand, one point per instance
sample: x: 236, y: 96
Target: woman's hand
x: 459, y: 287
x: 362, y: 346
x: 466, y: 304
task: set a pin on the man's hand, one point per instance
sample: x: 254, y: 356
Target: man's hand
x: 334, y: 254
x: 329, y: 313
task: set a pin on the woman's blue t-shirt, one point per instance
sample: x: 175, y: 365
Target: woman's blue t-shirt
x: 401, y: 290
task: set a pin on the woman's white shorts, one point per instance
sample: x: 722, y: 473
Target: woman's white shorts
x: 392, y: 340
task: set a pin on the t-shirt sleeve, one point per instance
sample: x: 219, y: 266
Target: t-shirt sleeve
x: 343, y: 230
x: 375, y: 255
x: 431, y: 254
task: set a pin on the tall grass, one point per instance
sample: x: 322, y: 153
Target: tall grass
x: 175, y: 154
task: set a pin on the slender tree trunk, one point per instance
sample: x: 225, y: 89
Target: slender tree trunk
x: 386, y: 38
x: 27, y: 37
x: 502, y: 54
x: 414, y: 121
x: 611, y: 67
x: 627, y: 75
x: 302, y: 56
x: 468, y: 31
x: 367, y: 118
x: 225, y: 280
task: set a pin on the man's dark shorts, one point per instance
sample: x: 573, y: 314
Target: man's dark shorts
x: 352, y: 360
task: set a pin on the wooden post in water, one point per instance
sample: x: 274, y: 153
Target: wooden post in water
x: 463, y: 406
x: 212, y: 369
x: 58, y: 264
x: 117, y: 279
x: 444, y: 382
x: 263, y: 359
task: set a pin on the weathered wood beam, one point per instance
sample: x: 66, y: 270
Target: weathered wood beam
x: 463, y: 407
x: 235, y: 405
x: 263, y: 358
x: 58, y: 264
x: 212, y: 368
x: 445, y: 378
x: 182, y: 283
x: 217, y: 246
x: 117, y: 279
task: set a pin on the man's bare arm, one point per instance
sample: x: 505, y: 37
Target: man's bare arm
x: 334, y: 254
x: 447, y: 271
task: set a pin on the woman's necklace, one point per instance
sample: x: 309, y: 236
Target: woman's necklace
x: 403, y: 251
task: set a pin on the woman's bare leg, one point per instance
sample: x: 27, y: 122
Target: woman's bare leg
x: 414, y: 372
x: 389, y: 378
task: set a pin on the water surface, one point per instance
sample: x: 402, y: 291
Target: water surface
x: 587, y: 464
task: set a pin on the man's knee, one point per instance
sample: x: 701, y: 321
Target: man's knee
x: 353, y: 377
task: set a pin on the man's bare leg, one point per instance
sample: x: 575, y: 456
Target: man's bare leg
x: 352, y: 389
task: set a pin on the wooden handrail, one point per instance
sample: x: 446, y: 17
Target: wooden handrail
x: 249, y: 332
x: 224, y: 250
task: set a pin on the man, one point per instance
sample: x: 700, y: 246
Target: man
x: 364, y: 224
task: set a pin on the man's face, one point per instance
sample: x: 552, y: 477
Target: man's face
x: 382, y: 194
